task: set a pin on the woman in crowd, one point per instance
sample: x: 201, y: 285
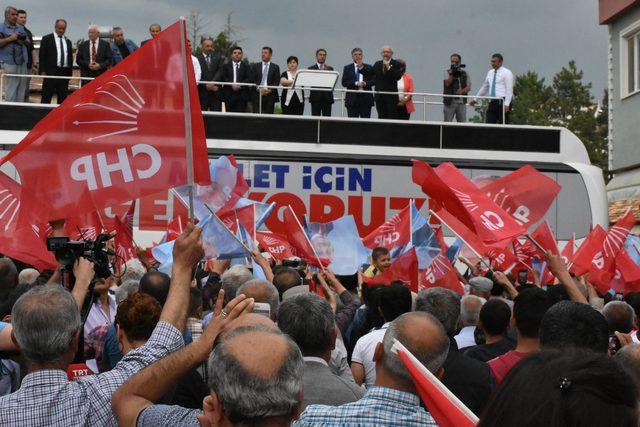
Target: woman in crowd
x: 292, y: 102
x: 102, y: 313
x: 564, y: 388
x: 405, y: 89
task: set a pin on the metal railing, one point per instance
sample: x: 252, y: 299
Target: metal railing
x: 423, y: 97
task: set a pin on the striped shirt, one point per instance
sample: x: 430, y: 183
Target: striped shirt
x: 48, y: 398
x: 380, y: 406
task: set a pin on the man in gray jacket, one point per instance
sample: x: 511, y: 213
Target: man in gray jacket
x: 309, y: 321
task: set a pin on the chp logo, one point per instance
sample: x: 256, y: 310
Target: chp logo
x: 114, y: 112
x: 389, y: 233
x: 490, y: 220
x: 9, y: 207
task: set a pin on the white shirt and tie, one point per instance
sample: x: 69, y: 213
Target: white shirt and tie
x: 498, y: 83
x: 359, y: 77
x: 236, y: 67
x: 61, y: 51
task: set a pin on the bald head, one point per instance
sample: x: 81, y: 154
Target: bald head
x: 249, y: 319
x: 423, y: 335
x: 619, y: 316
x: 255, y: 373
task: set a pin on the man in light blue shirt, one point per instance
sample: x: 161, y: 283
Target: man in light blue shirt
x: 13, y: 55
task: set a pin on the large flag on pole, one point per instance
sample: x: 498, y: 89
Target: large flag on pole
x: 449, y: 188
x: 393, y: 233
x: 126, y: 134
x: 444, y: 406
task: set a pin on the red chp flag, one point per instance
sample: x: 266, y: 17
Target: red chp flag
x: 585, y: 254
x: 124, y: 246
x: 299, y: 241
x: 446, y: 409
x: 393, y: 233
x: 544, y: 237
x: 628, y: 271
x: 275, y: 244
x: 121, y: 136
x: 441, y: 274
x: 404, y: 268
x: 525, y: 194
x: 568, y: 250
x: 603, y: 266
x: 448, y: 187
x: 84, y: 227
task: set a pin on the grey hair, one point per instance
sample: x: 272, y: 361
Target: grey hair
x: 442, y: 303
x: 273, y: 298
x: 470, y: 306
x: 44, y: 321
x: 125, y: 289
x: 28, y: 275
x: 246, y: 397
x: 233, y: 278
x: 7, y: 9
x: 134, y: 270
x: 309, y: 320
x: 432, y: 357
x: 93, y: 27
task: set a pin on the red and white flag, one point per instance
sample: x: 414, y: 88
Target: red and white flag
x: 584, y: 256
x: 299, y: 240
x: 404, y: 269
x: 628, y: 272
x: 544, y: 237
x: 121, y: 136
x: 396, y: 232
x: 526, y: 194
x: 84, y: 227
x: 568, y: 250
x: 452, y: 190
x: 445, y: 408
x: 278, y: 246
x: 441, y: 274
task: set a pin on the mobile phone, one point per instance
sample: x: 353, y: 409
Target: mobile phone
x: 262, y: 308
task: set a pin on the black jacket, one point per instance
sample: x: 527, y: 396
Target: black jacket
x: 211, y: 72
x: 49, y: 51
x: 244, y: 76
x: 321, y: 96
x: 103, y: 58
x: 349, y: 82
x: 385, y: 81
x: 273, y: 79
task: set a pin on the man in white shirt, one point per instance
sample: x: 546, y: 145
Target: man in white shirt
x: 470, y: 306
x: 499, y: 83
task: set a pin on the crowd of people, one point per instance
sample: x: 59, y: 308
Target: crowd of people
x: 252, y: 87
x: 211, y: 344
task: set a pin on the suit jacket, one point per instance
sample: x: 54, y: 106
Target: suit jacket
x: 211, y: 72
x: 323, y: 387
x: 469, y: 379
x: 321, y: 97
x: 349, y: 82
x: 273, y: 79
x: 49, y: 51
x: 103, y: 58
x: 385, y: 81
x: 116, y: 55
x: 244, y: 76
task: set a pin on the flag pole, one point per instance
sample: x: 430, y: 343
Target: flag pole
x: 460, y: 237
x: 187, y: 115
x: 227, y: 230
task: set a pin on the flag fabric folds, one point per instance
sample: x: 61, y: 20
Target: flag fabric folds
x: 394, y: 233
x: 404, y: 269
x: 120, y: 137
x: 299, y: 240
x: 339, y: 242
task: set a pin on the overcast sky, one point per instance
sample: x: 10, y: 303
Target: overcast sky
x: 540, y: 35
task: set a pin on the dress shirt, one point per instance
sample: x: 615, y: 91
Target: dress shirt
x: 380, y: 406
x: 466, y: 337
x: 95, y: 42
x: 504, y: 84
x: 235, y: 66
x: 63, y: 40
x: 315, y: 359
x: 265, y: 73
x: 196, y: 68
x: 97, y: 317
x: 359, y: 75
x: 48, y: 397
x: 364, y: 350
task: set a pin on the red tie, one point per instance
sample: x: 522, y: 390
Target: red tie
x: 93, y: 51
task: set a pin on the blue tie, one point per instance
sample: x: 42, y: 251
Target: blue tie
x: 493, y: 83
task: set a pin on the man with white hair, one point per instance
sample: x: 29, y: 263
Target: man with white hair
x: 470, y: 306
x: 28, y: 275
x: 233, y: 278
x: 386, y: 74
x: 94, y: 55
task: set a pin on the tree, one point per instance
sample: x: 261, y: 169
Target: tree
x: 228, y: 37
x: 534, y: 100
x: 196, y: 24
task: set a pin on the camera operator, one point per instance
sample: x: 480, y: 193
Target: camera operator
x: 14, y: 55
x: 456, y: 82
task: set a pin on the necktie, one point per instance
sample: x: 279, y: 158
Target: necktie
x: 61, y: 56
x: 235, y: 78
x: 93, y: 51
x: 208, y: 60
x: 493, y: 83
x: 265, y: 72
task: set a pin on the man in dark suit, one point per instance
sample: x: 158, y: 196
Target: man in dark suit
x: 386, y: 74
x: 308, y: 319
x: 358, y: 104
x: 236, y: 71
x: 321, y: 101
x: 55, y: 59
x: 265, y: 73
x: 94, y: 55
x: 211, y: 63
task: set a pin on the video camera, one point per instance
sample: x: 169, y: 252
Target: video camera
x: 455, y: 69
x: 68, y: 251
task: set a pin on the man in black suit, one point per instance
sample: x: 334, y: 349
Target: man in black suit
x: 358, y: 104
x: 265, y: 73
x: 236, y: 71
x: 94, y: 55
x: 55, y: 59
x: 321, y: 101
x: 211, y: 63
x: 386, y: 74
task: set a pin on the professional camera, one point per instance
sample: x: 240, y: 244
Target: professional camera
x: 68, y: 251
x: 455, y: 69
